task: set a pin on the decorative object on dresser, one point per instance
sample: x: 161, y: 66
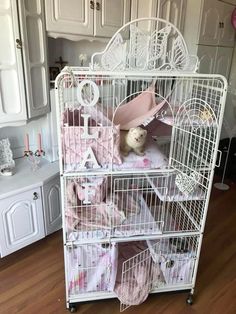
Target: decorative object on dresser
x: 34, y: 158
x: 6, y: 158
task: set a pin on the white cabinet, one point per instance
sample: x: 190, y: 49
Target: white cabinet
x: 23, y: 62
x: 34, y: 49
x: 206, y: 56
x: 29, y: 205
x: 223, y: 61
x: 12, y: 96
x: 109, y: 16
x: 21, y: 221
x: 215, y: 59
x: 227, y: 35
x: 170, y: 10
x: 209, y: 34
x: 210, y: 23
x: 52, y: 205
x: 74, y: 18
x: 216, y: 28
x: 173, y: 11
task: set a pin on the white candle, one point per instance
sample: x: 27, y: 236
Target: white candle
x: 27, y: 142
x: 39, y: 143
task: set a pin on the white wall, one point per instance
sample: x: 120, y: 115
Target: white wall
x: 70, y: 50
x: 16, y: 136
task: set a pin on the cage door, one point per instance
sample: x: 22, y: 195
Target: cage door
x: 138, y: 275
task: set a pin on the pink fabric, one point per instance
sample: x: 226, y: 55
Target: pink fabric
x: 75, y: 190
x: 92, y: 268
x: 111, y: 212
x: 138, y: 110
x: 92, y: 217
x: 158, y: 128
x: 74, y: 146
x: 135, y: 286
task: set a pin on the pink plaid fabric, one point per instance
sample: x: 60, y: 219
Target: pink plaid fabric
x: 105, y: 147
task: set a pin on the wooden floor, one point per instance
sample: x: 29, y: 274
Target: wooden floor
x: 32, y: 280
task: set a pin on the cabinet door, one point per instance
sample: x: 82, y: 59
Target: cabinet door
x: 206, y: 56
x: 173, y: 11
x: 223, y: 61
x: 12, y: 96
x: 21, y: 221
x: 110, y: 15
x: 210, y: 23
x: 227, y: 35
x: 35, y: 56
x: 229, y: 1
x: 52, y: 205
x: 148, y: 8
x: 69, y: 16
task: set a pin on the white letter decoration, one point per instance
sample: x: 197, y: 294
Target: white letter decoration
x: 86, y: 134
x: 88, y: 101
x: 88, y: 192
x: 89, y: 157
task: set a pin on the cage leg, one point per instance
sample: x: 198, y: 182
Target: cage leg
x: 72, y: 307
x: 189, y: 299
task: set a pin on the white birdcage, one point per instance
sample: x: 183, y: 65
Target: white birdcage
x: 138, y: 140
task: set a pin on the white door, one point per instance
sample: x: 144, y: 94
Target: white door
x: 35, y: 56
x: 110, y: 15
x: 21, y: 221
x: 173, y: 11
x: 223, y: 61
x: 227, y: 35
x: 206, y: 56
x: 70, y: 16
x: 52, y: 205
x: 210, y: 23
x: 12, y: 96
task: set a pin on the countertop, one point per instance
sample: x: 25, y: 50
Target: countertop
x: 24, y: 178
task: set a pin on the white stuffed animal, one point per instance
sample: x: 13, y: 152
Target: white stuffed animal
x: 134, y: 140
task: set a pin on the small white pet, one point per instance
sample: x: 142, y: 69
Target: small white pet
x: 134, y: 139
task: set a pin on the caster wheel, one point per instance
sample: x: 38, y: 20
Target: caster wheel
x: 189, y: 299
x: 73, y: 308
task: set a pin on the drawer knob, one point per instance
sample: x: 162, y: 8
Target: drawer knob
x: 97, y: 6
x: 92, y: 5
x: 35, y: 196
x: 18, y: 43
